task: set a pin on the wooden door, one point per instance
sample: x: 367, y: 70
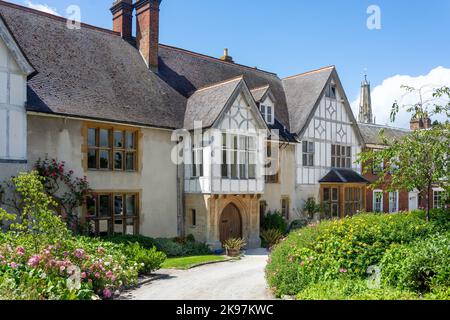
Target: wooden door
x: 230, y: 223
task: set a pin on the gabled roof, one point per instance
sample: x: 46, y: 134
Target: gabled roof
x: 206, y: 104
x: 260, y: 93
x: 14, y: 48
x: 302, y: 94
x: 90, y: 73
x: 371, y: 133
x: 188, y: 71
x: 339, y: 175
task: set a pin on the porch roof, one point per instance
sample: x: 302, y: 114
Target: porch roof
x: 339, y: 175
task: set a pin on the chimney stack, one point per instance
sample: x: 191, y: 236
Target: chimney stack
x: 122, y: 11
x: 147, y: 34
x: 420, y: 123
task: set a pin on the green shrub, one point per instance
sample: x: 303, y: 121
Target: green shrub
x: 145, y: 242
x: 197, y: 249
x: 345, y: 288
x: 170, y: 247
x: 274, y: 220
x: 325, y: 251
x: 419, y: 266
x: 271, y: 237
x: 148, y: 260
x: 298, y: 224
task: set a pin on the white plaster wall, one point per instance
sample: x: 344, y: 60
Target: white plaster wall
x: 13, y: 124
x: 286, y: 188
x: 62, y: 139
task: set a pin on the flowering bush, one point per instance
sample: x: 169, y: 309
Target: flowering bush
x: 326, y: 251
x: 41, y: 259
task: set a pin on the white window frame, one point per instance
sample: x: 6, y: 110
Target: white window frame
x: 245, y: 157
x: 268, y: 113
x: 197, y: 166
x: 308, y: 154
x: 437, y: 205
x: 391, y: 209
x: 374, y: 202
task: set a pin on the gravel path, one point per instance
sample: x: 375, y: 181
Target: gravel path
x: 235, y: 280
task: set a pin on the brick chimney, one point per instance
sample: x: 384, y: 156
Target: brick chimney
x: 420, y: 123
x: 147, y: 34
x: 122, y: 11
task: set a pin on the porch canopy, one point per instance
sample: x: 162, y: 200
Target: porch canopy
x: 343, y: 193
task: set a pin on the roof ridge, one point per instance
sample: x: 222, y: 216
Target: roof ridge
x: 220, y: 83
x: 55, y: 17
x: 383, y: 126
x: 339, y: 174
x: 262, y: 87
x: 216, y: 59
x: 309, y: 72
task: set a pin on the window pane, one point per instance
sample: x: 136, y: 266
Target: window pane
x: 130, y: 161
x: 130, y: 227
x: 118, y: 205
x: 131, y: 205
x: 305, y: 160
x: 335, y: 194
x: 92, y: 133
x: 104, y: 159
x: 311, y: 160
x: 326, y: 194
x: 118, y: 160
x: 104, y: 138
x: 118, y: 226
x: 91, y: 208
x: 263, y: 111
x: 333, y: 150
x: 118, y: 139
x: 224, y: 164
x: 242, y: 165
x: 349, y: 151
x: 103, y: 227
x: 311, y: 147
x: 349, y: 163
x: 251, y: 143
x: 224, y: 140
x: 234, y: 166
x: 235, y: 142
x: 92, y: 159
x: 130, y: 144
x: 242, y: 143
x: 104, y: 206
x: 305, y: 146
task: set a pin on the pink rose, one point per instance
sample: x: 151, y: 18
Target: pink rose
x: 83, y: 275
x: 107, y: 293
x: 20, y: 251
x: 34, y: 261
x: 97, y: 275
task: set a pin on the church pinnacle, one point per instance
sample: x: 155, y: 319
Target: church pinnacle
x: 365, y: 105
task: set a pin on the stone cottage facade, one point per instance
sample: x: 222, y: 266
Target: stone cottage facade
x: 122, y: 110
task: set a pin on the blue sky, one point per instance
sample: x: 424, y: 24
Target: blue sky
x: 293, y: 36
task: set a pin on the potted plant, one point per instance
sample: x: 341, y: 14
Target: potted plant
x: 271, y: 237
x: 234, y: 246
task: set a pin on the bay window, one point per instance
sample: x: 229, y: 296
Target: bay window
x: 238, y: 156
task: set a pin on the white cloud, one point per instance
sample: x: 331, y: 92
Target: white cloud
x: 41, y: 7
x: 384, y: 95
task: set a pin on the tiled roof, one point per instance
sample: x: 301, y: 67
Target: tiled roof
x: 259, y: 93
x: 339, y: 175
x: 206, y: 104
x: 302, y: 93
x: 90, y: 73
x: 371, y: 133
x: 187, y: 72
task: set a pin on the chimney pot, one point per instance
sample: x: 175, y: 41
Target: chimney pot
x: 226, y: 57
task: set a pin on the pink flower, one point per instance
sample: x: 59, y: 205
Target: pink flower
x: 34, y: 261
x: 83, y: 275
x: 342, y: 270
x: 97, y: 275
x: 107, y: 293
x: 302, y: 263
x: 79, y: 253
x: 20, y: 251
x: 13, y: 265
x: 62, y: 268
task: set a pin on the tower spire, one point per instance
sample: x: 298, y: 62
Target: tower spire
x: 365, y: 105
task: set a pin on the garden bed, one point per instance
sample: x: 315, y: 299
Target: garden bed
x: 369, y: 256
x: 184, y: 263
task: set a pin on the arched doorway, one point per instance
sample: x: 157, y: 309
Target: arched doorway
x: 230, y: 223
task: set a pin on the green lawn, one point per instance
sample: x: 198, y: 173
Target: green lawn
x: 184, y: 263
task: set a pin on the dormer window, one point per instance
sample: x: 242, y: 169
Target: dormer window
x: 267, y: 112
x: 330, y: 91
